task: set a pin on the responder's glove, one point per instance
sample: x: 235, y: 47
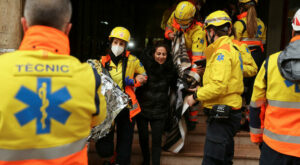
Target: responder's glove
x: 128, y: 81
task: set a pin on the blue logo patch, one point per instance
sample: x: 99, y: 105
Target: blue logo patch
x: 43, y: 105
x: 220, y: 57
x: 241, y: 61
x: 247, y: 50
x: 259, y: 32
x: 288, y: 84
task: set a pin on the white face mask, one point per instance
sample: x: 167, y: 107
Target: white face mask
x: 117, y: 50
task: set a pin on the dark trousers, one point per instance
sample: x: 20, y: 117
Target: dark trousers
x: 259, y: 58
x: 269, y: 156
x: 219, y: 142
x: 125, y: 128
x: 157, y: 127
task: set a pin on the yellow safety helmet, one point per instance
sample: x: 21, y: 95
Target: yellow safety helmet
x: 217, y: 18
x: 185, y: 11
x: 246, y: 1
x: 121, y: 33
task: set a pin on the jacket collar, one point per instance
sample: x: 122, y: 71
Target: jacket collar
x: 215, y: 45
x: 295, y: 38
x: 241, y: 16
x: 45, y: 38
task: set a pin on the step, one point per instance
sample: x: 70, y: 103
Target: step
x: 177, y: 160
x: 196, y: 150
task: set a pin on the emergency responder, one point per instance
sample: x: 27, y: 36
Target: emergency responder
x: 251, y: 30
x: 275, y: 104
x: 122, y: 67
x: 221, y: 91
x: 183, y: 20
x: 249, y: 70
x: 49, y: 99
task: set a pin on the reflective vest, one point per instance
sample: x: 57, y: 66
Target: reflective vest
x: 275, y: 110
x: 240, y: 28
x: 223, y: 76
x: 195, y: 38
x: 49, y: 101
x: 122, y: 77
x: 249, y: 65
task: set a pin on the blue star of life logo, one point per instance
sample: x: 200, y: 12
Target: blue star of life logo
x: 289, y: 83
x: 220, y: 57
x: 42, y: 105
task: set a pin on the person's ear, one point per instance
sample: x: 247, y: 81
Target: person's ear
x: 68, y: 29
x: 24, y: 24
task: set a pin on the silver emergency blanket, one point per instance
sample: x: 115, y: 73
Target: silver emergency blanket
x: 175, y: 136
x: 116, y: 100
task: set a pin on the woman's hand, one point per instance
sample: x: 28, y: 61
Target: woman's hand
x: 141, y: 79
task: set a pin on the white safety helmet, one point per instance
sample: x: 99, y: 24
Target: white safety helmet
x: 296, y: 21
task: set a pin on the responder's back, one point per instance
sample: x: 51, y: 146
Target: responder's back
x: 48, y: 104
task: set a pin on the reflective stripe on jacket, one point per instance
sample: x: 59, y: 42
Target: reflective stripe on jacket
x: 49, y: 101
x: 134, y: 66
x: 278, y: 124
x: 223, y: 76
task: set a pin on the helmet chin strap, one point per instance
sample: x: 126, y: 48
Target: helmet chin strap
x: 212, y: 38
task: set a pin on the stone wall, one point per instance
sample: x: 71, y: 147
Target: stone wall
x: 10, y: 25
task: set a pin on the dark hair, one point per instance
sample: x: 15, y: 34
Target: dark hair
x: 220, y: 30
x: 161, y: 44
x: 52, y: 13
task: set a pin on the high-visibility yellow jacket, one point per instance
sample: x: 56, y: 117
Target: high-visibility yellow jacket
x: 240, y: 28
x: 127, y: 83
x: 49, y: 101
x: 275, y: 107
x: 195, y: 37
x: 249, y: 65
x: 223, y: 76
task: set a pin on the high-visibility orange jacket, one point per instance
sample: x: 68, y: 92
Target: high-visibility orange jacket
x: 195, y: 38
x: 275, y: 106
x: 49, y: 101
x: 240, y: 28
x: 133, y: 66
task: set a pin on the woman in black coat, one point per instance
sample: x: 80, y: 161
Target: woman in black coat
x: 154, y: 100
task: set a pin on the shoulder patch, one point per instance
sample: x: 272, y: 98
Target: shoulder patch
x: 220, y: 57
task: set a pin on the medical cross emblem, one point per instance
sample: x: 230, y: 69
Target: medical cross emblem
x: 43, y: 105
x: 220, y: 57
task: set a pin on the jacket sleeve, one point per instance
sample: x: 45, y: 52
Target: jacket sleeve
x: 169, y: 27
x: 264, y: 35
x: 219, y: 73
x: 238, y: 28
x: 139, y: 69
x: 250, y: 67
x: 257, y: 106
x: 100, y: 102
